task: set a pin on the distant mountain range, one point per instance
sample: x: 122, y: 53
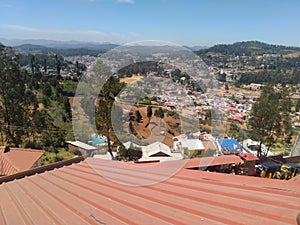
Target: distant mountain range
x: 58, y: 44
x: 73, y: 48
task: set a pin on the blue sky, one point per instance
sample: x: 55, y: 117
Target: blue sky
x: 186, y: 22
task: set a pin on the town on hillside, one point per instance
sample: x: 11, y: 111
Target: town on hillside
x: 228, y: 100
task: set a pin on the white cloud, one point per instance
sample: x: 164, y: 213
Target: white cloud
x: 12, y: 31
x: 17, y: 27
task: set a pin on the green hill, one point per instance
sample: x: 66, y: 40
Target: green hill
x: 249, y: 48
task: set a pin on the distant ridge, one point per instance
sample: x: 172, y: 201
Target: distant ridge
x: 58, y: 44
x: 249, y: 48
x: 70, y: 48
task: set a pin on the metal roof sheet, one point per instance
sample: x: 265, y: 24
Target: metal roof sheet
x: 98, y: 191
x: 213, y: 161
x: 248, y: 157
x: 18, y: 159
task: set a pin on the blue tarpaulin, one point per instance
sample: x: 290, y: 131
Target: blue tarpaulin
x: 232, y: 144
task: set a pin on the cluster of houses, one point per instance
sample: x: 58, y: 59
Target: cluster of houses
x: 189, y: 145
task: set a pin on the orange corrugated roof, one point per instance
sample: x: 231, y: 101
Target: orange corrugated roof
x: 18, y: 159
x: 97, y: 191
x: 248, y: 157
x: 213, y: 161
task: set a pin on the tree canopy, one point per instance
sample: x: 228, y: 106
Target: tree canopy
x: 104, y: 116
x: 270, y: 119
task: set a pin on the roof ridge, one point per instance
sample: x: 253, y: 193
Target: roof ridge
x: 8, y: 162
x: 4, y: 156
x: 41, y: 169
x: 28, y: 149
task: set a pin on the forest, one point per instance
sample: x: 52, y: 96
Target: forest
x: 33, y: 113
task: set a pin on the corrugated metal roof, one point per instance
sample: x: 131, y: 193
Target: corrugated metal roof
x: 98, y: 191
x: 213, y: 161
x: 18, y: 159
x: 248, y: 157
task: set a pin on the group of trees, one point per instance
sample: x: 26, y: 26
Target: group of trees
x: 40, y: 64
x: 32, y: 113
x: 274, y: 77
x: 141, y: 68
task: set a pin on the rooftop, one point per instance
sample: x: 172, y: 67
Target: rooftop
x: 96, y: 191
x: 82, y: 145
x: 17, y: 159
x: 232, y: 144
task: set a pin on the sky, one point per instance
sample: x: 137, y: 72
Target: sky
x: 184, y: 22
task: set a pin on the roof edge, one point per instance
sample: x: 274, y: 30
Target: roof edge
x: 41, y: 169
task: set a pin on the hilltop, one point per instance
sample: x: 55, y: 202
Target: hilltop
x: 249, y: 48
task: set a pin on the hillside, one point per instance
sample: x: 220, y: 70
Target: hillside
x: 249, y: 48
x: 34, y: 49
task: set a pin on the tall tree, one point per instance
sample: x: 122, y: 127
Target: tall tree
x: 45, y: 65
x: 33, y: 64
x: 138, y: 116
x: 269, y: 119
x: 298, y: 105
x: 58, y: 65
x: 160, y: 114
x: 14, y: 105
x: 149, y: 114
x: 108, y: 93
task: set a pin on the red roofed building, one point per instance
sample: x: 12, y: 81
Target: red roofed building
x: 96, y: 191
x: 14, y: 160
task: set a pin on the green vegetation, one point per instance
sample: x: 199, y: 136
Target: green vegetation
x: 149, y: 113
x: 62, y: 51
x: 141, y: 68
x: 138, y: 116
x: 298, y: 105
x: 270, y: 120
x: 107, y: 113
x: 60, y: 154
x: 248, y: 48
x: 273, y: 77
x: 144, y: 101
x: 34, y: 113
x: 133, y: 153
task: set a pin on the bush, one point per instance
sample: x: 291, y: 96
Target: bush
x: 131, y: 154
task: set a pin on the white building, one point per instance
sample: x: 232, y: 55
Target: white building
x: 155, y: 151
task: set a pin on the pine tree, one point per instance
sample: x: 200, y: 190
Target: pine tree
x: 270, y: 119
x: 138, y: 116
